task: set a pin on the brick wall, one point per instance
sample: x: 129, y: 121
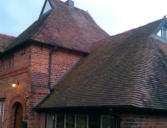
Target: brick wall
x: 31, y: 70
x: 143, y: 121
x: 62, y: 60
x: 20, y: 72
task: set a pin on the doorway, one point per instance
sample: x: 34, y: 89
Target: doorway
x: 18, y: 115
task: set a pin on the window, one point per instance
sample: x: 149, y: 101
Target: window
x: 23, y: 51
x: 11, y: 61
x: 46, y: 8
x: 162, y: 33
x: 7, y: 63
x: 108, y: 121
x: 80, y: 121
x: 70, y: 118
x: 94, y: 121
x: 50, y: 120
x: 60, y: 121
x: 2, y: 111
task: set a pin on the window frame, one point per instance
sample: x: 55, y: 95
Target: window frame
x: 87, y: 120
x: 43, y: 12
x: 161, y: 33
x: 2, y: 110
x: 7, y: 63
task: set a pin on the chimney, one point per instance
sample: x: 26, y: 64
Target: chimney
x: 70, y: 3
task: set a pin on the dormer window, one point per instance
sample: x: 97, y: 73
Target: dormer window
x: 161, y: 34
x: 46, y: 8
x: 164, y: 33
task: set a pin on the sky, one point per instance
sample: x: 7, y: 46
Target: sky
x: 114, y: 16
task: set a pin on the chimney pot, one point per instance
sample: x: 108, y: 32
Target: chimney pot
x: 70, y: 3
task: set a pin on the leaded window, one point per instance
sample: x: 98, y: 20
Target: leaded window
x: 46, y: 8
x: 162, y: 33
x: 79, y: 121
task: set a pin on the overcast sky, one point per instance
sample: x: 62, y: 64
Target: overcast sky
x: 114, y: 16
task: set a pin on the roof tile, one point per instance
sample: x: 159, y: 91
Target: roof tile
x: 128, y: 69
x: 5, y: 40
x: 65, y: 27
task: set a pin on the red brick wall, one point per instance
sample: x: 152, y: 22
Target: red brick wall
x: 143, y: 121
x: 39, y: 80
x: 19, y: 72
x: 62, y: 60
x: 21, y: 59
x: 31, y: 70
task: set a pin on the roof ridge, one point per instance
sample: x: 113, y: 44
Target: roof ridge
x: 53, y: 2
x: 140, y: 26
x: 69, y: 28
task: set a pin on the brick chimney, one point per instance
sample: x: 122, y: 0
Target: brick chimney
x: 70, y: 3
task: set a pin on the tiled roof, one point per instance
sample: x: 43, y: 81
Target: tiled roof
x: 5, y: 40
x: 65, y: 27
x: 129, y: 69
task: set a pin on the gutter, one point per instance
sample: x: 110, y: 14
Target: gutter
x: 49, y: 76
x: 31, y: 41
x: 41, y: 100
x: 56, y: 83
x: 50, y: 67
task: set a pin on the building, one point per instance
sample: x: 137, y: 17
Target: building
x: 31, y: 63
x: 120, y: 84
x: 64, y: 71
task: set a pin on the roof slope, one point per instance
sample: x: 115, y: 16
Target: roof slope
x: 128, y: 69
x: 5, y: 40
x: 66, y: 27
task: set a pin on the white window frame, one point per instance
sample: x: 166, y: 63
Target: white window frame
x: 2, y: 111
x: 64, y: 120
x: 87, y: 121
x: 161, y: 33
x: 75, y: 120
x: 44, y: 10
x: 164, y: 33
